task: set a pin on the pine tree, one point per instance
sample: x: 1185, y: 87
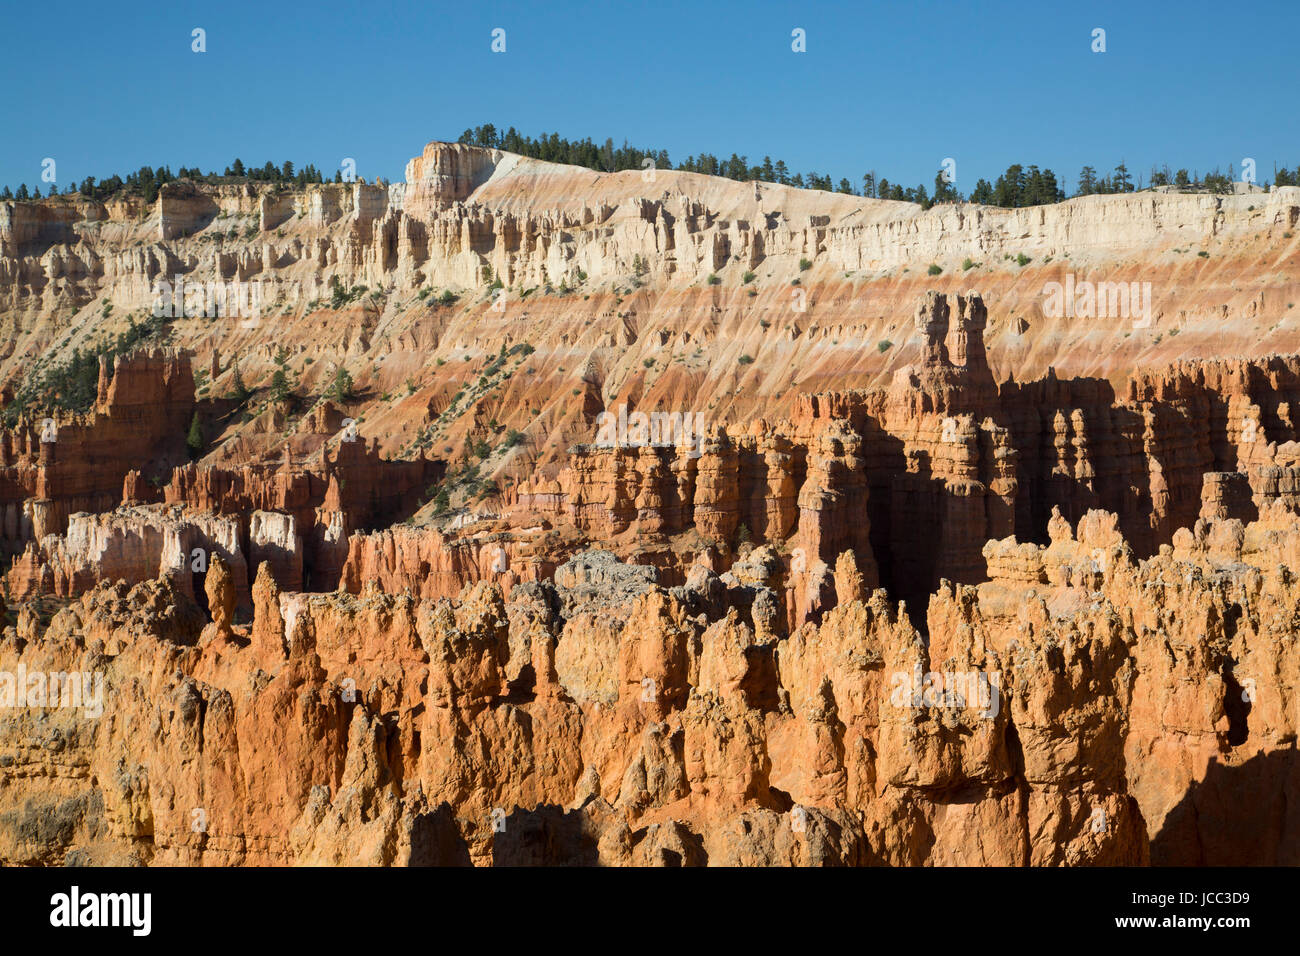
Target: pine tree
x: 1052, y: 190
x: 282, y: 383
x: 1009, y: 190
x: 340, y: 389
x: 1087, y: 181
x: 194, y: 440
x: 1123, y: 182
x: 238, y: 390
x: 944, y: 190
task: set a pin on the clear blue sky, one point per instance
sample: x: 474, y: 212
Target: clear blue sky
x: 106, y: 88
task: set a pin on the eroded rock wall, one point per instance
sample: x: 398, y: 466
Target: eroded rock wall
x: 1082, y: 706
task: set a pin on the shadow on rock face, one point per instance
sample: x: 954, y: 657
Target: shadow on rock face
x: 546, y: 836
x: 1245, y: 815
x: 436, y: 840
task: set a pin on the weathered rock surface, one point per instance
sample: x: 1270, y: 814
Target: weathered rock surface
x: 1080, y: 707
x: 934, y: 577
x: 566, y: 243
x: 54, y: 467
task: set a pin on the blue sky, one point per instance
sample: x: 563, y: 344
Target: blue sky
x: 893, y: 86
